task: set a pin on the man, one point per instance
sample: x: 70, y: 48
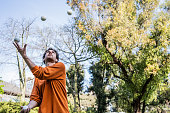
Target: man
x: 49, y: 90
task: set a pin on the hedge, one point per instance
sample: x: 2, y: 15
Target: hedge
x: 14, y: 107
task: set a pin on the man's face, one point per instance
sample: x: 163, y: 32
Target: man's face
x: 50, y: 56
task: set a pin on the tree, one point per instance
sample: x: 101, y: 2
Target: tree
x: 71, y: 73
x: 73, y: 52
x: 162, y: 101
x: 41, y: 41
x: 20, y: 29
x: 101, y: 74
x: 132, y: 35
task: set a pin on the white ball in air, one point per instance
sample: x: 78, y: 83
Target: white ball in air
x: 69, y: 12
x: 43, y: 18
x: 17, y: 40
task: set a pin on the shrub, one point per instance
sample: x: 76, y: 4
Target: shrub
x: 14, y: 107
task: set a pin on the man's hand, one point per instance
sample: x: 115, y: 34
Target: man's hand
x: 25, y: 109
x: 22, y: 51
x: 31, y: 105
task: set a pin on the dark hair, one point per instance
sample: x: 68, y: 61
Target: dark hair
x: 57, y: 55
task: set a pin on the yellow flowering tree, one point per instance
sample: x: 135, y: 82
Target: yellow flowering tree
x: 132, y: 35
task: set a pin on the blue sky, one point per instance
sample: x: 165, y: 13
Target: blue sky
x: 54, y: 10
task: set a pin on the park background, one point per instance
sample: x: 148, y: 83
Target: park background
x: 114, y: 53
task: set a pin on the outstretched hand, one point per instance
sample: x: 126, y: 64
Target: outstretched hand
x: 22, y: 51
x: 25, y: 109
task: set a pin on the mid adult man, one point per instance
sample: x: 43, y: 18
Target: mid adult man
x: 49, y: 90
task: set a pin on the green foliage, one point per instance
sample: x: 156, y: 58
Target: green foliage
x: 91, y: 110
x: 1, y: 90
x: 71, y: 109
x: 100, y: 79
x: 71, y: 76
x: 133, y: 36
x: 14, y: 107
x: 75, y: 75
x: 162, y: 100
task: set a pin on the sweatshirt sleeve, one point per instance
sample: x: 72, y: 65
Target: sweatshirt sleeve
x: 50, y: 72
x: 35, y: 95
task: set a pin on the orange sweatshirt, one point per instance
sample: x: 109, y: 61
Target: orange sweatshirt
x: 49, y: 89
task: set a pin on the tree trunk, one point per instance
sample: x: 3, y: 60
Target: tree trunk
x: 22, y: 79
x: 76, y: 98
x: 136, y: 106
x: 77, y: 87
x: 144, y: 106
x: 24, y: 82
x: 22, y: 93
x: 75, y: 92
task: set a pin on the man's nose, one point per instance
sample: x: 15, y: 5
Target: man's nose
x: 50, y: 52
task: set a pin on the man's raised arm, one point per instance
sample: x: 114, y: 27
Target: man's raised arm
x: 22, y: 51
